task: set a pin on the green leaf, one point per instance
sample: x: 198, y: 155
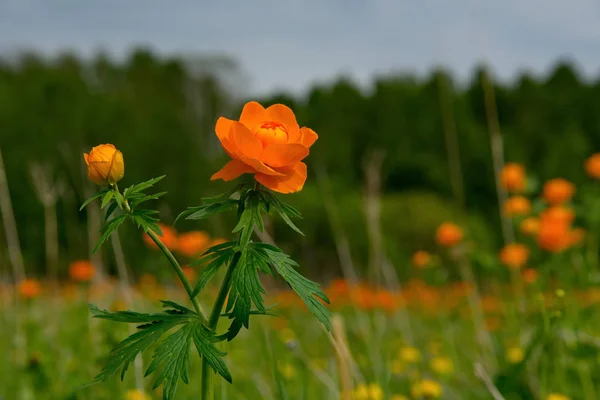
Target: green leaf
x: 208, y: 210
x: 94, y: 197
x: 110, y: 210
x: 246, y: 289
x: 203, y: 340
x: 109, y: 228
x: 249, y: 217
x: 145, y: 220
x: 225, y: 195
x: 143, y: 199
x: 107, y: 198
x: 215, y: 261
x: 173, y: 355
x: 308, y: 290
x: 141, y: 186
x: 286, y: 212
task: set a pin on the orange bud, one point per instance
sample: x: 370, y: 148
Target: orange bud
x: 530, y: 226
x: 558, y: 191
x: 105, y: 164
x: 448, y: 234
x: 514, y: 255
x: 592, y: 166
x: 82, y: 271
x: 517, y: 205
x: 512, y: 177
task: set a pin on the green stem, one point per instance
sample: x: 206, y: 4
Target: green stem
x: 213, y: 320
x: 173, y: 261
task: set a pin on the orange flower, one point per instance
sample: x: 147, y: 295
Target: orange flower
x: 168, y: 238
x: 558, y: 191
x: 105, y: 164
x: 448, y: 234
x: 529, y: 275
x: 512, y: 177
x: 421, y: 259
x: 592, y: 166
x: 517, y: 205
x: 530, y: 226
x: 558, y: 214
x: 29, y: 288
x: 553, y: 236
x: 514, y: 255
x: 82, y: 271
x: 193, y: 243
x: 267, y: 143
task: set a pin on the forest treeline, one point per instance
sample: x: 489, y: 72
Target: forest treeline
x: 161, y: 112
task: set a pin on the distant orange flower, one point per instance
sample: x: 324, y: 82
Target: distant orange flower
x: 558, y: 191
x: 82, y: 271
x: 29, y: 288
x: 192, y: 243
x: 168, y: 238
x: 558, y: 214
x: 553, y: 236
x: 267, y: 143
x: 512, y: 177
x: 592, y: 166
x: 517, y: 206
x: 421, y: 259
x: 448, y: 234
x: 514, y: 255
x: 529, y: 275
x: 530, y: 226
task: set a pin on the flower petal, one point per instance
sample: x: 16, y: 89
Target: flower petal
x: 308, y: 136
x: 85, y: 157
x: 252, y: 115
x: 283, y: 114
x: 232, y: 170
x: 293, y: 181
x: 223, y: 129
x: 280, y: 155
x: 259, y: 166
x: 245, y: 142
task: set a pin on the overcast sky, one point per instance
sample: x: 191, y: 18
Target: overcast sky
x: 289, y: 44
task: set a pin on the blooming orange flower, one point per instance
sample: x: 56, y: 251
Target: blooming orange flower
x: 267, y: 143
x: 512, y: 177
x: 530, y: 226
x: 29, y: 288
x: 168, y: 238
x: 558, y: 191
x: 448, y: 234
x: 105, y: 164
x: 82, y: 271
x: 517, y: 205
x: 421, y: 259
x: 514, y: 255
x: 193, y: 243
x: 592, y: 166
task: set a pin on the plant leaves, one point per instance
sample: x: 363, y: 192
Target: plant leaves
x: 306, y: 289
x: 94, y: 197
x: 203, y: 340
x: 208, y: 210
x: 107, y: 198
x: 217, y: 259
x: 286, y: 211
x: 108, y: 228
x: 141, y: 186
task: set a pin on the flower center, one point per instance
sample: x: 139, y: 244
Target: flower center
x: 271, y: 132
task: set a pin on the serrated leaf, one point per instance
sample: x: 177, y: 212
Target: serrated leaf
x: 217, y: 260
x: 286, y: 212
x: 249, y: 217
x: 141, y: 186
x: 107, y: 198
x: 246, y: 290
x: 94, y: 197
x: 203, y: 340
x: 225, y: 195
x: 108, y: 228
x: 173, y: 355
x: 143, y: 199
x: 208, y: 210
x: 306, y: 289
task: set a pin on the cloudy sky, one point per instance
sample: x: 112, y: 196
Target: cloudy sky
x: 289, y: 44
